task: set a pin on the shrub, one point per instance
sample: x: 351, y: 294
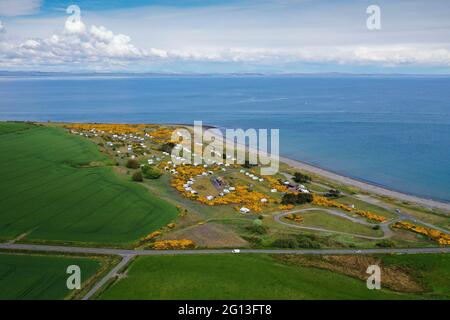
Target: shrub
x: 308, y: 244
x: 286, y: 243
x: 137, y: 176
x: 385, y: 244
x: 257, y: 222
x: 151, y: 172
x: 132, y: 164
x: 257, y: 229
x: 301, y: 178
x: 253, y: 239
x: 333, y: 193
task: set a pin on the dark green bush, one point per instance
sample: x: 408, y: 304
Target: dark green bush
x: 137, y: 176
x: 301, y: 178
x: 385, y: 244
x: 151, y: 172
x: 132, y: 164
x: 290, y: 243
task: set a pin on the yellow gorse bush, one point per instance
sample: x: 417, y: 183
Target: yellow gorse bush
x: 151, y: 236
x: 109, y: 128
x: 286, y: 207
x: 294, y: 217
x: 159, y: 134
x: 436, y: 235
x: 325, y: 202
x: 242, y: 194
x: 174, y: 244
x: 275, y: 184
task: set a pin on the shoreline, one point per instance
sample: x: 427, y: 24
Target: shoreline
x: 353, y: 182
x: 365, y: 186
x: 325, y: 173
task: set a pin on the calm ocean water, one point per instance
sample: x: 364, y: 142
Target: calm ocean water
x: 392, y: 131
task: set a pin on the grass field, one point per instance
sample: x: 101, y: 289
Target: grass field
x: 321, y: 219
x: 57, y: 186
x: 236, y: 277
x: 34, y: 277
x: 432, y: 270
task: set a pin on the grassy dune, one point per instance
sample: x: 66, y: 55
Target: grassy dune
x: 57, y: 186
x: 39, y: 277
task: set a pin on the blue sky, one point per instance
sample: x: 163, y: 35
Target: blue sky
x: 225, y: 36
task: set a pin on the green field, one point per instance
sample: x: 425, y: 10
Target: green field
x: 236, y: 277
x: 433, y: 270
x: 57, y: 186
x: 39, y: 277
x: 321, y: 219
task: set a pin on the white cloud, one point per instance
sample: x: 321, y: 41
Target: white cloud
x: 96, y: 46
x: 19, y: 7
x: 2, y: 27
x: 381, y: 55
x: 258, y: 36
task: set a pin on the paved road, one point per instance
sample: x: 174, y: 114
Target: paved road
x: 111, y: 274
x: 127, y: 255
x: 124, y: 253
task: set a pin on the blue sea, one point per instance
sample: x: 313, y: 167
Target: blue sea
x: 389, y: 130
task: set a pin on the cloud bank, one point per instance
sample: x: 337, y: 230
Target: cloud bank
x: 11, y: 8
x: 96, y: 46
x: 273, y: 36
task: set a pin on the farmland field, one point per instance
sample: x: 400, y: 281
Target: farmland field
x: 39, y: 277
x: 236, y: 277
x: 59, y: 187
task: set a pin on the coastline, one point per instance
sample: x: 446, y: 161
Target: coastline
x: 328, y: 174
x: 349, y: 181
x: 366, y: 186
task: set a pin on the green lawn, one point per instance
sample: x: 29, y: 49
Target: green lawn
x: 321, y: 219
x: 57, y: 186
x: 39, y: 277
x: 235, y: 277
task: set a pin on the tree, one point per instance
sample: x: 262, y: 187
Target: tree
x: 301, y: 178
x: 132, y: 164
x: 300, y: 198
x: 137, y: 176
